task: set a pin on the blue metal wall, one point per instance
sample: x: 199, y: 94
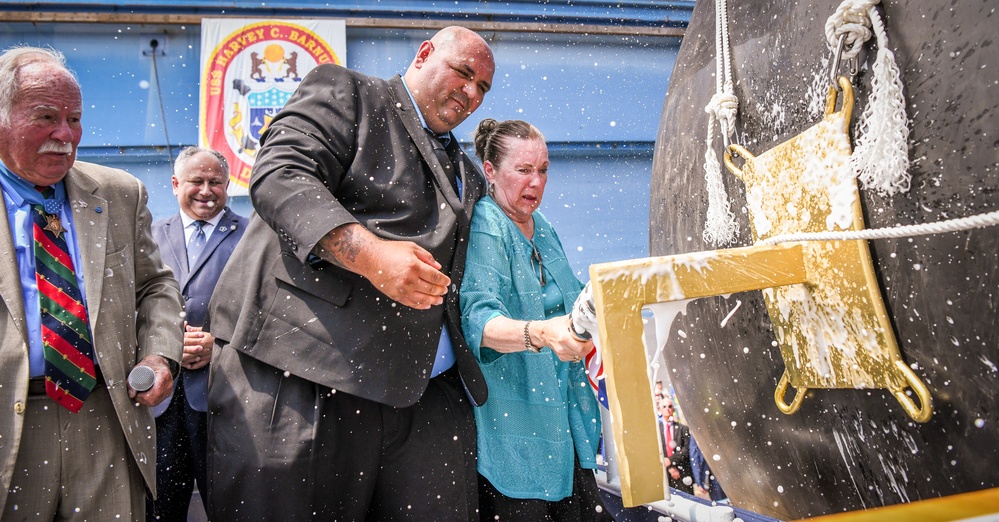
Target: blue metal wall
x: 597, y: 98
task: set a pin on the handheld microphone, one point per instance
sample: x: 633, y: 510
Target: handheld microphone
x: 141, y: 378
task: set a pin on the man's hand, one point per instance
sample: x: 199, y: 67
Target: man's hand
x: 162, y: 382
x: 407, y: 274
x: 197, y: 347
x: 402, y: 270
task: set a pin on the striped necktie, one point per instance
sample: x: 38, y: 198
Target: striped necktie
x: 66, y: 341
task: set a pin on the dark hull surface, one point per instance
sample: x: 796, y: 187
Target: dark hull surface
x: 845, y: 449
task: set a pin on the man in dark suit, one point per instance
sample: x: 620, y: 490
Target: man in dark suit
x: 676, y: 448
x: 195, y: 243
x: 341, y: 387
x: 84, y: 298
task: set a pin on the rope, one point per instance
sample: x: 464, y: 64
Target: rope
x: 720, y: 227
x: 851, y: 18
x: 940, y: 227
x: 881, y: 156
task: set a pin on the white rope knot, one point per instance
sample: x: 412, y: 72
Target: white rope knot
x: 880, y: 159
x: 720, y: 227
x: 723, y: 107
x: 851, y: 19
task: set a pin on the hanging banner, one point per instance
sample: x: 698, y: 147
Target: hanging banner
x: 249, y: 70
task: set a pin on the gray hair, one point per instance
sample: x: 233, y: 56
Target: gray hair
x: 188, y: 152
x: 12, y: 61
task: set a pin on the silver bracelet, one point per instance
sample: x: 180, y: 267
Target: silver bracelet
x: 527, y: 339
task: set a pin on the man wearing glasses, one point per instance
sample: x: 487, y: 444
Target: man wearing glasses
x: 676, y: 448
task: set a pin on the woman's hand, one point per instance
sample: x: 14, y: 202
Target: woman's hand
x: 506, y: 335
x: 556, y: 334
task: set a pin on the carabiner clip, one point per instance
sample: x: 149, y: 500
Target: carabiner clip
x: 837, y: 57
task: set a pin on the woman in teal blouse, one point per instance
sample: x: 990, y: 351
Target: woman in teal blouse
x: 538, y: 432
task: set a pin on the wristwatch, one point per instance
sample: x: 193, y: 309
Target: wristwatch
x: 174, y: 367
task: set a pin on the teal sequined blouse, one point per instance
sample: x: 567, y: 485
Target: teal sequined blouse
x: 541, y: 412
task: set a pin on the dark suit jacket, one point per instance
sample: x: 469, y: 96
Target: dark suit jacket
x: 681, y: 454
x: 197, y: 284
x: 347, y: 148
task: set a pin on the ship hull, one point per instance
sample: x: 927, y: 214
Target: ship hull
x: 844, y: 449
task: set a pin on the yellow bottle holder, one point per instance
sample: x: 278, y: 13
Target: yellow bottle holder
x: 822, y: 297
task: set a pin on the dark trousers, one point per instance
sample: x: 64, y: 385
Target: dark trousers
x: 284, y: 448
x: 584, y: 505
x: 181, y: 438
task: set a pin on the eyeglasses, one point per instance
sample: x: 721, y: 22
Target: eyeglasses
x: 536, y: 257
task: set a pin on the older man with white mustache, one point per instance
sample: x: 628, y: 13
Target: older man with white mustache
x: 85, y: 299
x: 57, y: 147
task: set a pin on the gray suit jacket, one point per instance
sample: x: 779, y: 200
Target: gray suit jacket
x: 133, y: 304
x: 197, y: 283
x: 347, y: 148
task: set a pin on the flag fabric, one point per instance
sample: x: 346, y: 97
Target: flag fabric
x: 583, y: 323
x: 249, y: 69
x: 595, y: 373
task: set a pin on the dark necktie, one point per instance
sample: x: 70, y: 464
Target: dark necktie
x: 197, y: 243
x: 444, y: 358
x: 66, y: 341
x: 440, y: 142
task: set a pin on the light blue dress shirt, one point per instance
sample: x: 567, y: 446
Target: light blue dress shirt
x: 208, y: 228
x: 20, y: 221
x: 445, y: 350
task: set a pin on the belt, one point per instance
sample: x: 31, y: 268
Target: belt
x: 36, y: 385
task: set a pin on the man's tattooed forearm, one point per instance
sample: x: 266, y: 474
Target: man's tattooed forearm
x: 347, y: 246
x: 342, y: 246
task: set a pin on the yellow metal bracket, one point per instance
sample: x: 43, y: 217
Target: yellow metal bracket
x: 822, y: 296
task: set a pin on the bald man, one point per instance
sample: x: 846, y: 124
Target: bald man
x: 341, y: 386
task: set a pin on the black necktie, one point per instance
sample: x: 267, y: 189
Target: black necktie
x: 439, y: 142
